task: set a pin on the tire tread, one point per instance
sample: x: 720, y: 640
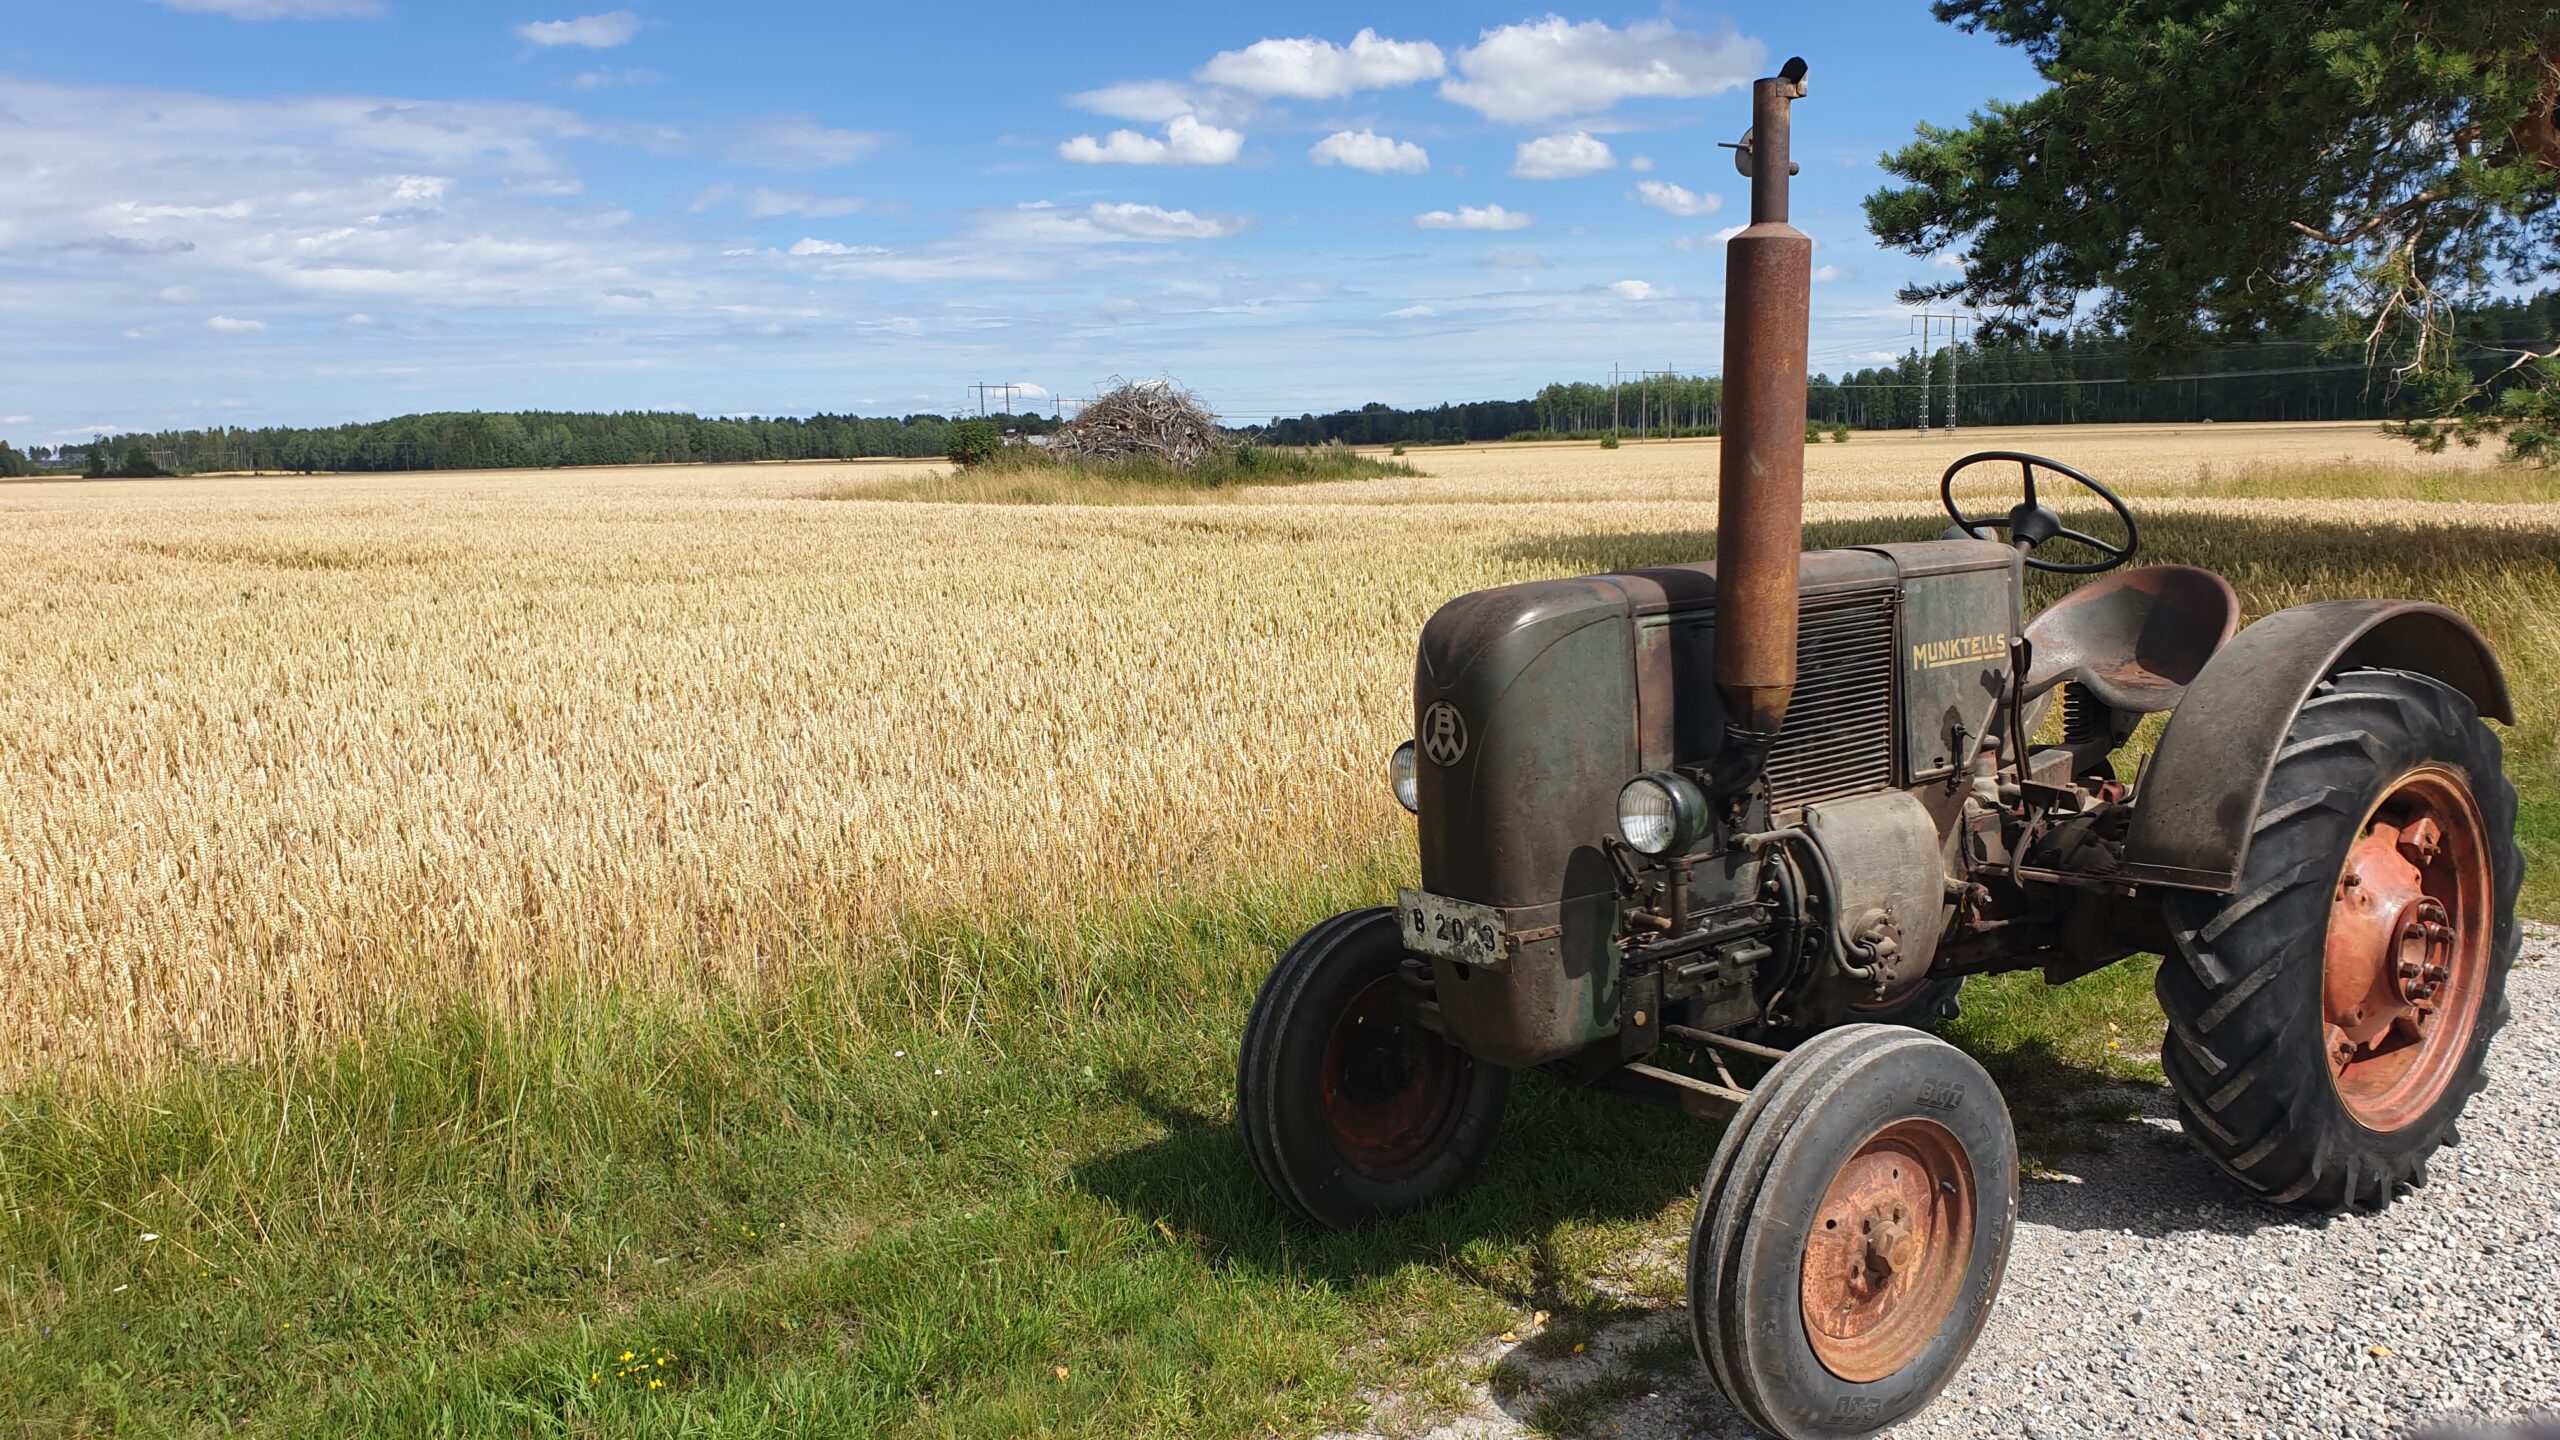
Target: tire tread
x: 2251, y: 1077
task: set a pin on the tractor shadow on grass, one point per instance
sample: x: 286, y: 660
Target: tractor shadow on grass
x: 1567, y: 1154
x: 1562, y: 1154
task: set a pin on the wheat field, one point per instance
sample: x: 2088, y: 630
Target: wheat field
x: 282, y: 757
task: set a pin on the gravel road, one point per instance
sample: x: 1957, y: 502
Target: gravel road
x: 2146, y: 1296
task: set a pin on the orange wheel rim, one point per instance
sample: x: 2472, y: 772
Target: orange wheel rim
x: 1886, y: 1255
x: 2407, y: 950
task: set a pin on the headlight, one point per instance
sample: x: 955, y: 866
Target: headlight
x: 1403, y: 779
x: 1659, y: 812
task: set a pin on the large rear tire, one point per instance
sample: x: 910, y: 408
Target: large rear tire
x: 1351, y: 1109
x: 2329, y: 1019
x: 1852, y: 1232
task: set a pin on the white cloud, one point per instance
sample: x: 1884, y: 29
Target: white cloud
x: 1150, y: 222
x: 1307, y: 68
x: 595, y: 32
x: 278, y: 9
x: 313, y: 205
x: 1187, y: 141
x: 1560, y: 157
x: 1834, y: 272
x: 230, y: 326
x: 1151, y: 102
x: 1473, y: 217
x: 808, y: 245
x: 1010, y: 244
x: 764, y: 204
x: 1371, y: 151
x: 1412, y: 312
x: 607, y: 79
x: 795, y: 142
x: 1948, y: 260
x: 1513, y: 260
x: 1714, y: 239
x: 1639, y: 162
x: 1105, y: 222
x: 1676, y: 199
x: 1541, y: 69
x: 1632, y: 290
x: 360, y: 321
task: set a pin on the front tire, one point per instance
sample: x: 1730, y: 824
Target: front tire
x: 1351, y: 1109
x: 1852, y: 1232
x: 2329, y: 1019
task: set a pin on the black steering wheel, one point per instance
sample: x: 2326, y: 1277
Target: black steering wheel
x: 2030, y: 523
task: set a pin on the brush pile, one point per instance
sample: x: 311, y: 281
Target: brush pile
x: 1141, y: 420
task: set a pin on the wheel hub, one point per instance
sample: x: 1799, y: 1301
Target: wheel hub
x: 2406, y: 946
x: 2423, y: 950
x: 1392, y: 1089
x: 1884, y: 1258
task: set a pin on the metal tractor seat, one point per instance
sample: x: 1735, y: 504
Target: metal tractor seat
x: 2133, y: 639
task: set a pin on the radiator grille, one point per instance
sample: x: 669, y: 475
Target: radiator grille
x: 1838, y: 735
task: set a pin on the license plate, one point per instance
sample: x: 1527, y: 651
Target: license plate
x: 1455, y: 930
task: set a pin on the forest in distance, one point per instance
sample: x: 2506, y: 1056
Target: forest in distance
x: 2061, y: 377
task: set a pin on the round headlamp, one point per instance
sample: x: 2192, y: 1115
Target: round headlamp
x: 1404, y: 778
x: 1659, y: 812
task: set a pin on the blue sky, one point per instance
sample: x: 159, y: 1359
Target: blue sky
x: 309, y: 211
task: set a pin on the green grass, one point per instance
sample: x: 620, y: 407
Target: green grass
x: 1021, y: 475
x: 2062, y: 1054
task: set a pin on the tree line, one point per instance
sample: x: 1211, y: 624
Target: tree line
x: 2083, y: 376
x: 471, y: 440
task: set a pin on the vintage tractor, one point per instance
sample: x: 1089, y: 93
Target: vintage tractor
x: 1769, y: 811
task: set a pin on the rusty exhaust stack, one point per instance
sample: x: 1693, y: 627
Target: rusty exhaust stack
x: 1760, y: 487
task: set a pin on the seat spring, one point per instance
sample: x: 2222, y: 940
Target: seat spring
x: 2084, y: 716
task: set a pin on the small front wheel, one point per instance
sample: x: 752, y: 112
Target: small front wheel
x: 1349, y: 1106
x: 1852, y: 1232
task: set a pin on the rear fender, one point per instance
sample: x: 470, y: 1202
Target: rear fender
x: 2201, y: 792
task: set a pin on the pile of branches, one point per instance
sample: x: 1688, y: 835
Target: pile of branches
x: 1142, y: 419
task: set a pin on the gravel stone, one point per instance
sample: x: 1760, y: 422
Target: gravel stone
x: 2148, y: 1295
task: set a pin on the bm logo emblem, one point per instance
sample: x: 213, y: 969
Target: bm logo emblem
x: 1444, y: 734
